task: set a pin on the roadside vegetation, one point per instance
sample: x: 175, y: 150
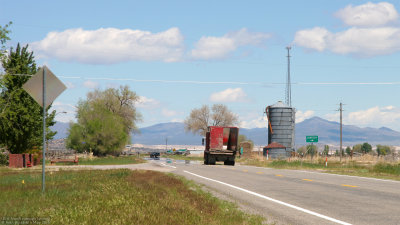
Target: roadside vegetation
x: 109, y: 160
x: 113, y: 197
x: 218, y: 115
x: 105, y: 121
x: 364, y: 166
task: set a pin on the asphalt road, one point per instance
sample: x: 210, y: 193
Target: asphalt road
x: 299, y: 197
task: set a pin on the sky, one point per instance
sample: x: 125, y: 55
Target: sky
x: 180, y: 55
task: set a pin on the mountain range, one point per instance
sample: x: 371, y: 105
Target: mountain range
x: 327, y: 131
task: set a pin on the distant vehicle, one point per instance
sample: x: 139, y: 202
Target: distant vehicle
x: 182, y: 152
x: 155, y: 155
x: 221, y: 145
x: 178, y: 152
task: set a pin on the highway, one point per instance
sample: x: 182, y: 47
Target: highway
x: 298, y: 197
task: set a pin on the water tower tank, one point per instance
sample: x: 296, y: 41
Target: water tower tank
x: 281, y: 125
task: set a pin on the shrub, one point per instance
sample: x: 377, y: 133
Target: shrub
x: 3, y: 159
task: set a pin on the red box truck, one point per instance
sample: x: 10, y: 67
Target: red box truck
x: 221, y: 145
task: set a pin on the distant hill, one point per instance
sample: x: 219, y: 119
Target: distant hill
x: 327, y: 131
x: 174, y: 133
x: 61, y: 128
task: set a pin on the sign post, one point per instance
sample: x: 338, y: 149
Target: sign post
x: 44, y: 132
x: 44, y: 87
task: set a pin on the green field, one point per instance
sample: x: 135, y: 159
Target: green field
x: 112, y: 197
x: 384, y: 170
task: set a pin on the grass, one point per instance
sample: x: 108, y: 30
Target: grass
x: 109, y: 160
x: 365, y: 168
x: 113, y: 197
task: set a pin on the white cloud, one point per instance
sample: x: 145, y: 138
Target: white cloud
x: 177, y: 120
x: 147, y: 103
x: 111, y: 45
x: 90, y: 84
x: 220, y: 47
x: 301, y: 116
x: 388, y: 116
x: 258, y: 122
x: 168, y: 113
x: 229, y: 95
x: 314, y: 38
x: 384, y: 115
x: 368, y: 15
x: 358, y: 40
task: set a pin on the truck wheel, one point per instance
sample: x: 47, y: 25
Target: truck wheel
x: 211, y: 160
x: 229, y: 162
x: 205, y: 159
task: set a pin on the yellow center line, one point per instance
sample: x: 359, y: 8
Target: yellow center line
x: 346, y: 185
x: 259, y: 172
x: 307, y: 180
x: 245, y: 170
x: 278, y: 175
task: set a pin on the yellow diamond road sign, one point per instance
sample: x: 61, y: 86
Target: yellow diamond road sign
x: 34, y: 86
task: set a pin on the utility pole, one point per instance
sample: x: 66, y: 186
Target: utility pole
x: 341, y: 110
x: 166, y: 144
x: 288, y: 83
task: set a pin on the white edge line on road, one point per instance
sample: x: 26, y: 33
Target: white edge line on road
x: 273, y: 200
x: 342, y: 175
x: 168, y: 165
x: 333, y: 174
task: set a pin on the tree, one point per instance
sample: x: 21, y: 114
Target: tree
x: 105, y: 121
x: 4, y: 31
x: 357, y: 148
x: 21, y: 127
x: 312, y: 150
x: 199, y: 119
x: 383, y: 150
x: 326, y: 150
x: 243, y: 138
x: 366, y: 148
x: 348, y: 150
x: 302, y: 150
x: 120, y: 102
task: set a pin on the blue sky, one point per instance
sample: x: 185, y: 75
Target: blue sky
x: 231, y: 52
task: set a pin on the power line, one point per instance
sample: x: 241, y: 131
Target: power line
x: 218, y: 82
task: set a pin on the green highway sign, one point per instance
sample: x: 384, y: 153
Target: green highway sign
x: 311, y: 138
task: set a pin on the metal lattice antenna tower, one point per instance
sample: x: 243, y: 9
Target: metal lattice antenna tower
x: 288, y: 97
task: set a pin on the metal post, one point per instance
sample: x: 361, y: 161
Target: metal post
x: 312, y: 150
x: 340, y: 151
x: 288, y: 84
x: 44, y: 130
